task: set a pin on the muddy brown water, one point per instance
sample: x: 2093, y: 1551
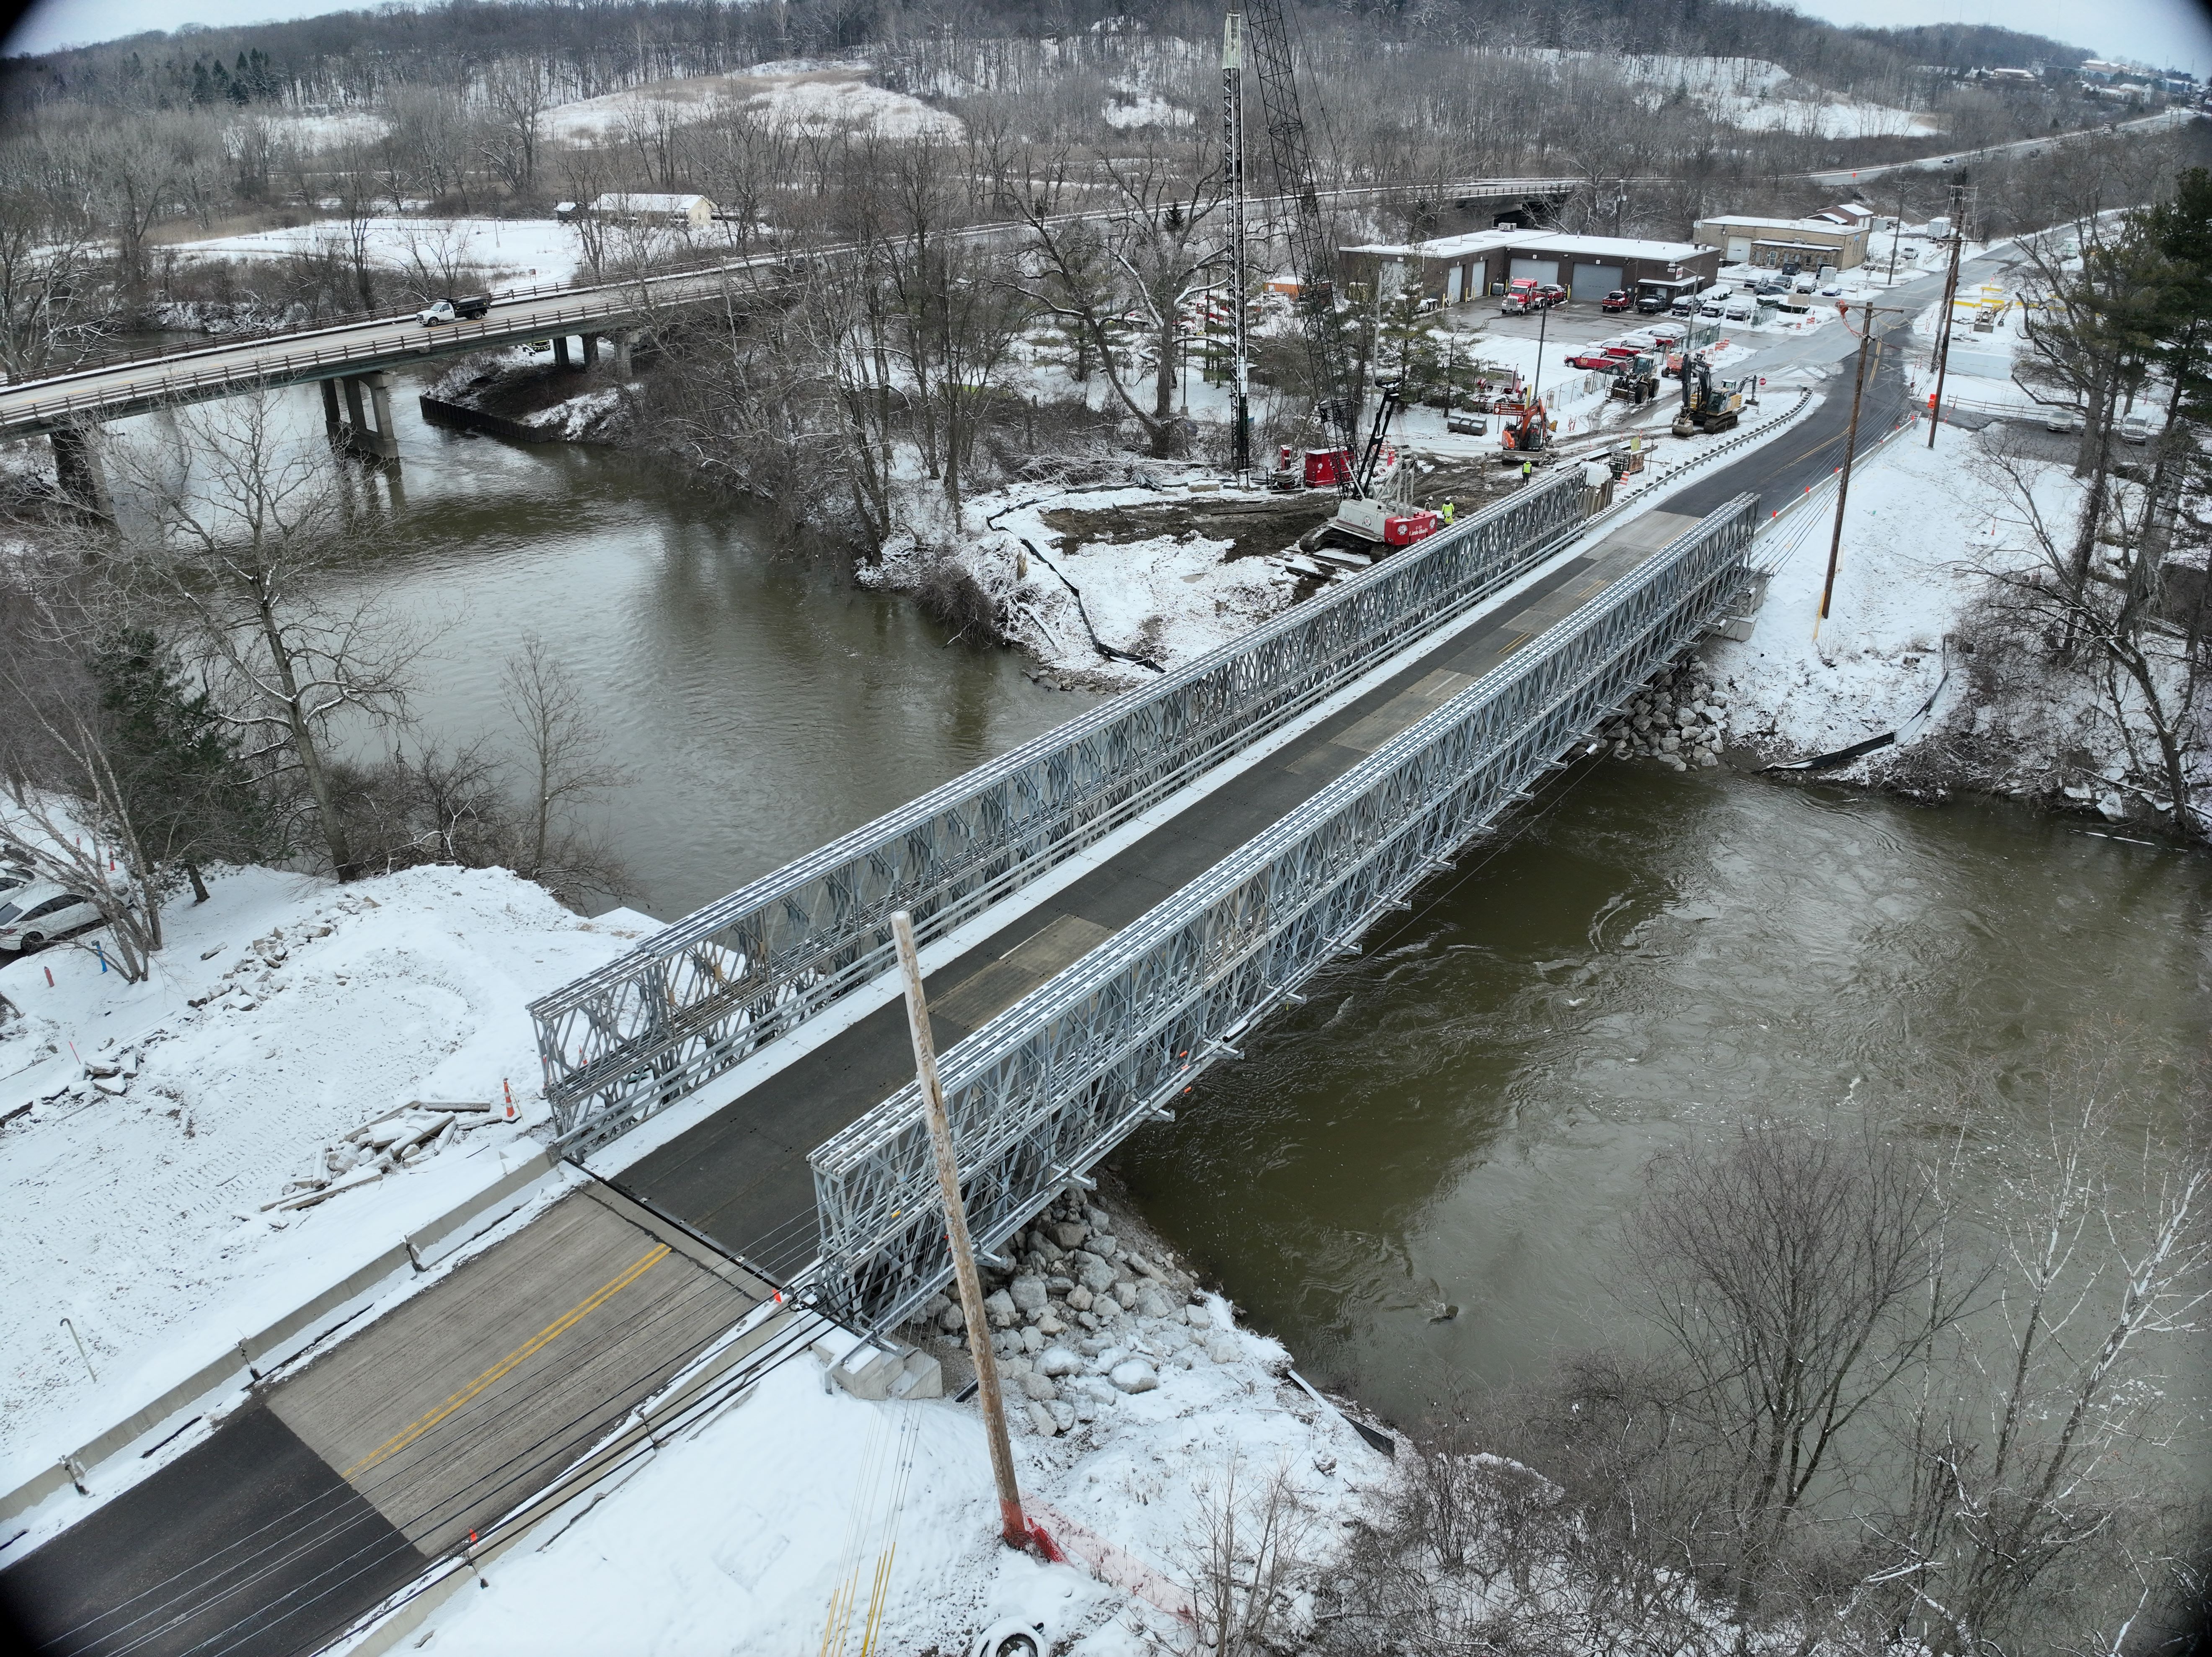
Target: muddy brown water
x: 1458, y: 1116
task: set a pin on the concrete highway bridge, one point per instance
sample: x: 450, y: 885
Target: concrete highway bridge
x: 741, y: 1168
x: 354, y: 359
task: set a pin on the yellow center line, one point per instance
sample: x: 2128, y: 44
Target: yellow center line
x: 567, y: 1320
x: 1519, y: 640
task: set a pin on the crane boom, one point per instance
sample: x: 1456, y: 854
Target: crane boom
x: 1337, y: 402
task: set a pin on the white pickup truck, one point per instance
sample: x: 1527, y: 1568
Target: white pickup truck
x: 467, y: 308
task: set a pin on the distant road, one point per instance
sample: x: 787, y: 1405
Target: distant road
x: 1839, y: 176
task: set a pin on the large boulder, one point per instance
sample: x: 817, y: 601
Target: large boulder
x: 1134, y: 1375
x: 999, y: 1309
x: 1029, y: 1295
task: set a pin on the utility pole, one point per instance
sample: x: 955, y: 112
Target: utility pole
x: 1013, y: 1527
x: 1896, y: 234
x: 1232, y: 154
x: 1950, y: 301
x: 1851, y: 452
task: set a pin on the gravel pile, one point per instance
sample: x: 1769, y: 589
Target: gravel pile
x: 1678, y: 719
x: 1085, y: 1320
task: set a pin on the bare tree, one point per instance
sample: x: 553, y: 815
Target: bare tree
x: 1157, y: 244
x: 2028, y: 1455
x: 564, y: 768
x: 1793, y: 1276
x: 1250, y: 1544
x: 243, y: 538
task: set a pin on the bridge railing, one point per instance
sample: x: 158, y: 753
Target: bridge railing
x: 696, y: 1000
x: 1044, y: 1089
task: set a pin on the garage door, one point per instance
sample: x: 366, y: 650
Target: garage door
x: 1595, y: 282
x: 1535, y: 270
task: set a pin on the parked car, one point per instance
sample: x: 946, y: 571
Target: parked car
x: 1685, y: 306
x: 1771, y: 290
x: 1651, y: 305
x: 13, y: 874
x: 1710, y: 310
x: 466, y: 308
x: 1592, y: 358
x: 1619, y: 300
x: 1804, y: 284
x: 1665, y: 333
x: 1833, y: 290
x: 1741, y: 308
x: 2063, y: 420
x: 38, y: 911
x: 2135, y: 428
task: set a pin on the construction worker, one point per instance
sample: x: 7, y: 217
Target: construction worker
x: 1446, y: 511
x: 1527, y: 470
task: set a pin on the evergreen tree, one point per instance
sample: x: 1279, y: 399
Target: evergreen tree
x: 189, y: 794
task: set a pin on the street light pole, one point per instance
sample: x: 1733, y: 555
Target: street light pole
x: 1013, y: 1527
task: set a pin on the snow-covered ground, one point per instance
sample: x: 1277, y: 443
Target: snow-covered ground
x: 774, y: 1529
x: 1919, y: 528
x: 1751, y: 92
x: 517, y: 252
x: 284, y: 1013
x: 804, y: 95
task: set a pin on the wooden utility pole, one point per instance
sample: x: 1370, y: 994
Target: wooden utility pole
x: 1013, y: 1527
x: 1950, y: 300
x: 1851, y: 452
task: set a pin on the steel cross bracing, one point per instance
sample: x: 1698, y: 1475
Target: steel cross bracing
x: 692, y: 1001
x: 1044, y: 1089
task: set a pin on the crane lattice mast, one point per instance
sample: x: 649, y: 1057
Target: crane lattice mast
x: 1337, y: 400
x: 1232, y: 162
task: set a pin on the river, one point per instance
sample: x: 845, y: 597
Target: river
x: 1457, y: 1117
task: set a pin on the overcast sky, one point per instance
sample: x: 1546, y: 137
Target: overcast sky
x: 2168, y: 32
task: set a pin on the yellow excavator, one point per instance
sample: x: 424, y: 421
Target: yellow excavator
x: 1708, y: 405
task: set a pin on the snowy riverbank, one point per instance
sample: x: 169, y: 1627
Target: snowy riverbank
x: 160, y: 1137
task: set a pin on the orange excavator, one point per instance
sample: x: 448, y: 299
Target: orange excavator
x: 1528, y: 429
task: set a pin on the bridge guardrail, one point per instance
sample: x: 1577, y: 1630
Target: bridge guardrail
x: 684, y: 1006
x: 1047, y: 1087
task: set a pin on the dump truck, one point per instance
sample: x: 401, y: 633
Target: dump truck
x: 466, y: 308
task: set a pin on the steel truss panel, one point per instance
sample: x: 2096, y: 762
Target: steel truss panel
x: 642, y: 1032
x: 1048, y: 1086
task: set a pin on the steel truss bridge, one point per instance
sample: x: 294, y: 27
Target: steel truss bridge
x: 1049, y: 1085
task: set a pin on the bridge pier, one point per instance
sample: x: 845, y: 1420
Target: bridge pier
x: 561, y: 352
x: 623, y: 341
x: 77, y: 471
x: 591, y: 349
x: 380, y: 441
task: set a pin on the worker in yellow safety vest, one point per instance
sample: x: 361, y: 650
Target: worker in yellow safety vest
x: 1446, y: 512
x: 1527, y: 467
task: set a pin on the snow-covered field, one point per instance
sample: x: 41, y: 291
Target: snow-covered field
x: 1753, y: 93
x: 519, y: 252
x: 137, y: 1202
x: 772, y: 1530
